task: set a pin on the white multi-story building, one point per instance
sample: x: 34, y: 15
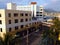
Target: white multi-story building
x: 40, y: 11
x: 11, y: 20
x: 15, y: 20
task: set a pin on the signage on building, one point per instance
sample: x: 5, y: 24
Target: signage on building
x: 33, y: 2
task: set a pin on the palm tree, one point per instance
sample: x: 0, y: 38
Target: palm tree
x: 56, y: 28
x: 10, y: 40
x: 50, y: 36
x: 56, y: 25
x: 7, y: 40
x: 47, y: 38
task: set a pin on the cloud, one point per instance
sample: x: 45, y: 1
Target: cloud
x: 45, y: 4
x: 4, y: 1
x: 54, y: 1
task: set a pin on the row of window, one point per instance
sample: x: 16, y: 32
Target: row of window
x: 38, y: 15
x: 17, y: 27
x: 16, y: 14
x: 16, y: 20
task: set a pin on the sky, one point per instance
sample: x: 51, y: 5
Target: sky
x: 48, y: 4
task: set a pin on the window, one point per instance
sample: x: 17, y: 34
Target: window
x: 21, y: 26
x: 9, y: 21
x: 26, y: 19
x: 30, y: 14
x: 37, y: 12
x: 16, y: 20
x: 41, y: 9
x: 41, y: 12
x: 16, y: 27
x: 29, y: 23
x: 15, y: 14
x: 0, y: 22
x: 21, y: 14
x: 26, y: 14
x: 35, y: 22
x: 37, y: 15
x: 0, y: 15
x: 9, y: 14
x: 0, y: 29
x: 10, y: 29
x: 30, y: 19
x: 40, y: 15
x: 21, y: 20
x: 26, y: 25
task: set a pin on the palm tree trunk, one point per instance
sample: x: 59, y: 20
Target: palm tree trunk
x: 54, y: 42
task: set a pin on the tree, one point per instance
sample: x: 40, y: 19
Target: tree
x: 56, y: 28
x: 47, y: 38
x: 7, y: 40
x: 50, y: 36
x: 10, y: 40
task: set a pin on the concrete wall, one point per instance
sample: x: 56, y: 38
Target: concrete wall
x: 3, y: 25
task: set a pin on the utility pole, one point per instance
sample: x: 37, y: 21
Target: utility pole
x: 27, y: 37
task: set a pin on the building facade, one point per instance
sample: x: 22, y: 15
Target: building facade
x: 15, y: 21
x: 11, y: 20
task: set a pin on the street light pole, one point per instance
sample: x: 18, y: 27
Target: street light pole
x: 27, y: 37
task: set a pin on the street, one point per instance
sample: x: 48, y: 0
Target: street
x: 33, y: 38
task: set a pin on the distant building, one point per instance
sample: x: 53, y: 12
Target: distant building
x: 40, y: 12
x: 57, y: 15
x: 51, y: 14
